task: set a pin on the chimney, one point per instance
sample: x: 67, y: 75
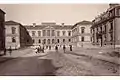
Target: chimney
x: 34, y: 24
x: 62, y: 24
x: 113, y: 5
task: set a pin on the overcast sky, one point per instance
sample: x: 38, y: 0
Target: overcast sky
x: 59, y: 13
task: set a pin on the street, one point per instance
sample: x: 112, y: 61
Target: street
x: 51, y: 63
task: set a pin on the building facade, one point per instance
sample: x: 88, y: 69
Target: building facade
x: 81, y: 34
x: 16, y: 35
x: 50, y: 34
x: 2, y: 30
x: 106, y: 27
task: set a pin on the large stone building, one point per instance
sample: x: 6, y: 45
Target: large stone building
x: 16, y: 35
x: 81, y: 34
x: 50, y: 34
x: 2, y: 30
x: 106, y: 27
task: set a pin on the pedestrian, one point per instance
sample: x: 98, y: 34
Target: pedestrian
x: 10, y: 50
x: 70, y: 47
x: 49, y: 47
x: 56, y: 48
x: 39, y: 49
x: 64, y: 48
x: 5, y: 51
x: 43, y: 49
x: 36, y: 50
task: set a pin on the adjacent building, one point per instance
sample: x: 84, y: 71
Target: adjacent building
x: 50, y: 34
x: 106, y: 27
x: 81, y: 34
x: 16, y: 35
x: 2, y: 30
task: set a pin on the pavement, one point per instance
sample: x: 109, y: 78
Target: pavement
x: 91, y: 62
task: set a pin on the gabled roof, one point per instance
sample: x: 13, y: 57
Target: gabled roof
x: 83, y: 23
x: 11, y: 23
x: 2, y: 11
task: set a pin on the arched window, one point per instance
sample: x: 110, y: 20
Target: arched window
x: 44, y: 41
x: 48, y: 41
x: 58, y: 41
x: 63, y: 40
x: 39, y: 41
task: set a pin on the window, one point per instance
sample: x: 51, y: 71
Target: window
x: 44, y: 41
x: 53, y: 32
x: 82, y: 38
x: 82, y: 29
x: 69, y: 33
x: 33, y: 41
x: 39, y: 33
x: 58, y: 41
x: 39, y: 41
x: 63, y: 40
x: 53, y: 41
x: 58, y: 33
x: 44, y: 32
x: 13, y: 39
x: 69, y: 40
x: 48, y: 41
x: 111, y: 25
x: 48, y: 32
x: 13, y: 30
x: 63, y: 33
x: 33, y: 33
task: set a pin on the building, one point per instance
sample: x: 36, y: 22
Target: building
x: 2, y: 30
x: 50, y: 34
x: 106, y: 27
x: 81, y: 34
x: 16, y: 35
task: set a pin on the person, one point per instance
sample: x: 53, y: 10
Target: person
x: 5, y: 51
x: 43, y: 49
x: 56, y: 48
x: 39, y: 49
x: 49, y: 47
x: 70, y: 47
x: 10, y: 50
x: 64, y: 48
x: 36, y: 50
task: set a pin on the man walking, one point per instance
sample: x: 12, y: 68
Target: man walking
x: 56, y: 48
x: 64, y: 48
x: 10, y: 50
x: 70, y: 47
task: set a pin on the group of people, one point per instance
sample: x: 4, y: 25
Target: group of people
x: 64, y: 48
x: 10, y: 50
x: 39, y: 49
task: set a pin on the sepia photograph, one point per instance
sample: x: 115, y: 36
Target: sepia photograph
x: 60, y: 39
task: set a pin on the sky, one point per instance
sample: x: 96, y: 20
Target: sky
x: 28, y: 14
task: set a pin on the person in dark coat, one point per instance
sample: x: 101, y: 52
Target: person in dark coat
x: 49, y: 47
x: 10, y: 50
x: 5, y: 51
x: 43, y: 49
x: 64, y: 48
x: 56, y: 48
x: 70, y: 47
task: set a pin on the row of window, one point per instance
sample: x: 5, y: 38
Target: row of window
x: 47, y: 33
x: 82, y: 30
x: 52, y: 41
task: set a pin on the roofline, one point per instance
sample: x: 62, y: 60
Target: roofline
x: 2, y: 11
